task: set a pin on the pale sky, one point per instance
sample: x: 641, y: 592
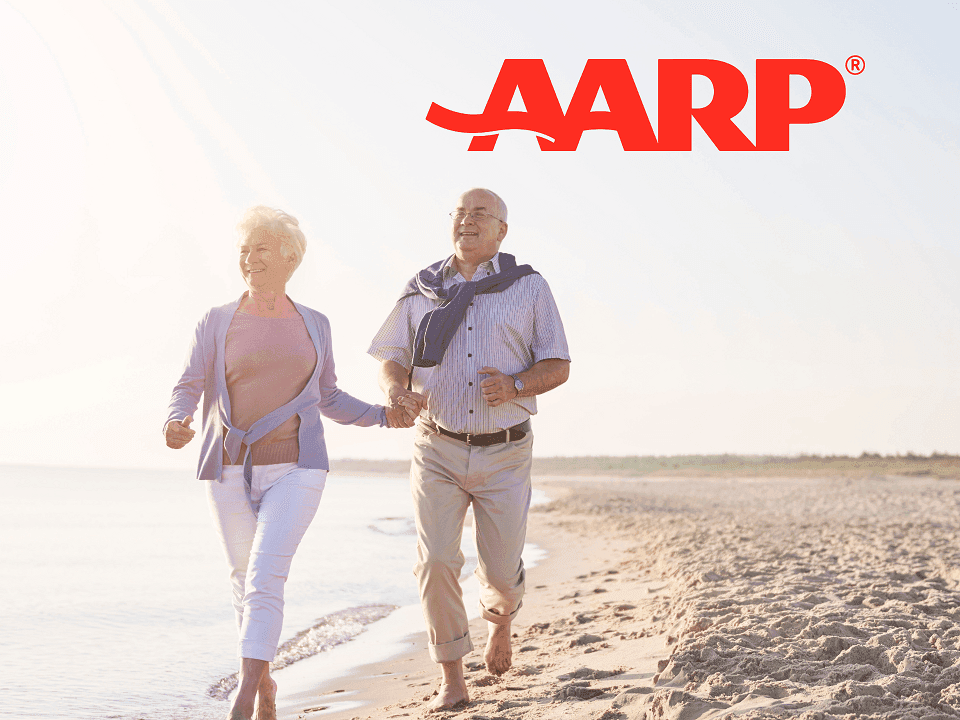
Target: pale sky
x: 766, y: 302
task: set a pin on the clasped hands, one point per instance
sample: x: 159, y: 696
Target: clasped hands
x: 405, y: 405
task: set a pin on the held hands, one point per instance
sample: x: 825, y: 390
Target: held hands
x: 179, y: 434
x: 403, y: 407
x: 498, y: 388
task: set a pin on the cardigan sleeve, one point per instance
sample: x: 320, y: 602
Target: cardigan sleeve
x: 340, y: 406
x: 188, y: 390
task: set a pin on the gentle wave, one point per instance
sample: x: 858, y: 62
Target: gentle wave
x: 328, y: 632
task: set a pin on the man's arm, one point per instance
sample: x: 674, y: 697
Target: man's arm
x: 543, y: 376
x: 403, y: 405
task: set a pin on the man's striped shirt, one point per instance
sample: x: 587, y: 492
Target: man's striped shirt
x: 510, y: 331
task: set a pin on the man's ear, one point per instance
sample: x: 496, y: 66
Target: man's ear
x: 503, y: 232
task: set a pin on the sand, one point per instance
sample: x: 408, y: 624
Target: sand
x: 684, y: 598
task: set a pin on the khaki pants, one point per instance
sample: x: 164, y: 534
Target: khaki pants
x: 446, y: 476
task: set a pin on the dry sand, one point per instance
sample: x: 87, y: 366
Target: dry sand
x: 676, y: 598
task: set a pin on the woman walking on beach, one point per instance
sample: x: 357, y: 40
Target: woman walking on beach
x: 264, y: 366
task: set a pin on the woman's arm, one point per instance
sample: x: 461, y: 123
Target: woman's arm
x: 187, y: 392
x: 336, y: 404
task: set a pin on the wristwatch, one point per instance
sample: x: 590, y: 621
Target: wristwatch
x: 518, y: 384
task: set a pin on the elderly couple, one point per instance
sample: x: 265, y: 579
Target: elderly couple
x: 469, y: 345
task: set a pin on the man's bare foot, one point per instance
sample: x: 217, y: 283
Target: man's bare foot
x: 448, y: 696
x: 453, y: 687
x: 498, y: 655
x: 266, y: 700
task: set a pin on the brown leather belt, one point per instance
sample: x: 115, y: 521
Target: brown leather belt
x: 517, y: 432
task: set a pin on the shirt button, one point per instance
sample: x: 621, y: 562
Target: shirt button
x: 471, y: 412
x: 471, y: 304
x: 469, y: 354
x: 470, y: 384
x: 469, y: 328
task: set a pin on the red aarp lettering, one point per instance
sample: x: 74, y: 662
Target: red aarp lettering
x: 675, y: 99
x: 774, y: 114
x: 627, y: 115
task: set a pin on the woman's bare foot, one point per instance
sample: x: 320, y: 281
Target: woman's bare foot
x: 266, y: 699
x: 498, y: 655
x: 253, y: 673
x: 453, y: 687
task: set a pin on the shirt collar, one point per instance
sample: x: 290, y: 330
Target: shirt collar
x: 493, y: 263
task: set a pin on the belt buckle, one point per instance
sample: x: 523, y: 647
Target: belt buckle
x: 467, y: 441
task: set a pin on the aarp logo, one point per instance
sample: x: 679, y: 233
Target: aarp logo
x: 559, y: 130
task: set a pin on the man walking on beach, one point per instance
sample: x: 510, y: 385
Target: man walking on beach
x: 483, y: 338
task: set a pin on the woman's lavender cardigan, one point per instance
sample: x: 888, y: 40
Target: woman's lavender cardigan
x: 205, y: 374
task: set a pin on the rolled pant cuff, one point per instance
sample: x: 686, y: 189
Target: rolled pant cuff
x: 496, y: 618
x: 450, y: 651
x: 257, y: 650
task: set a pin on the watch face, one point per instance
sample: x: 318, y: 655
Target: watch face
x: 517, y: 383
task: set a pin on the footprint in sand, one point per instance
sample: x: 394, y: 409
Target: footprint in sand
x: 578, y: 691
x: 585, y: 639
x: 528, y: 670
x: 586, y: 673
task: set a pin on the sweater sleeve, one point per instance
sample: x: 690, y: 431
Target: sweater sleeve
x: 340, y: 406
x: 188, y: 390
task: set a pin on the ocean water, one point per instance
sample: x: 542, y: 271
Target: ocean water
x: 115, y: 598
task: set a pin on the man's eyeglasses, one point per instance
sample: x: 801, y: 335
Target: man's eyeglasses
x: 477, y: 215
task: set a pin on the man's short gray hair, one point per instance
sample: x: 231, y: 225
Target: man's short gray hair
x: 501, y: 205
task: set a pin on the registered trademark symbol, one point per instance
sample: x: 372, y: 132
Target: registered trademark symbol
x: 855, y: 65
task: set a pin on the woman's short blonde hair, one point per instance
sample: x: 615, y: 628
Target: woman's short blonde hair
x: 293, y: 243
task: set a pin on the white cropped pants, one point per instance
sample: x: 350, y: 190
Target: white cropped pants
x: 260, y: 534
